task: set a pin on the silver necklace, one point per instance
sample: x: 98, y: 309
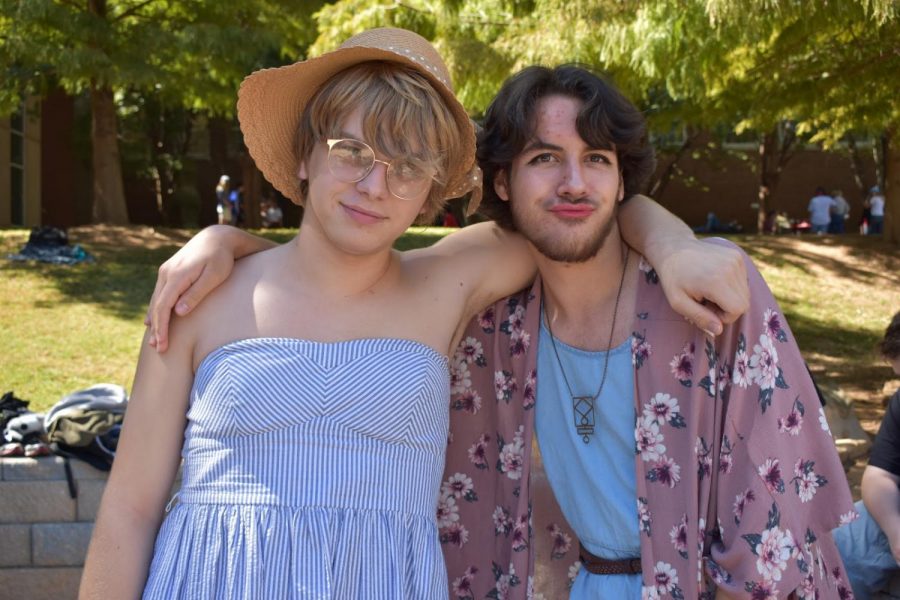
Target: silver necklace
x: 583, y: 406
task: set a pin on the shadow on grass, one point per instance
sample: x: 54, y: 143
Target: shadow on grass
x: 121, y: 280
x: 782, y: 252
x: 852, y: 357
x: 120, y: 283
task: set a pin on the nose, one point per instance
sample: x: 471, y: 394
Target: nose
x: 572, y: 184
x: 375, y: 183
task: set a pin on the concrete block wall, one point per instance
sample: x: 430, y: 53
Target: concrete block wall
x: 44, y: 532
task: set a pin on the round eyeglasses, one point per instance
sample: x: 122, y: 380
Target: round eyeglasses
x: 352, y: 160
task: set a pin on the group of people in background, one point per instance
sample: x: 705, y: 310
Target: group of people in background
x: 230, y: 206
x: 828, y: 213
x: 228, y: 201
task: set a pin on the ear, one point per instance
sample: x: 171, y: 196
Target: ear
x: 621, y: 193
x: 302, y: 172
x: 501, y: 185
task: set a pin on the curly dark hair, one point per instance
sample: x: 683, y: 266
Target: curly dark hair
x: 890, y: 345
x: 607, y: 120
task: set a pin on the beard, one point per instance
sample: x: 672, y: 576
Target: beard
x: 558, y: 245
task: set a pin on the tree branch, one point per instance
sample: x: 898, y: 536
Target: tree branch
x: 133, y: 10
x: 72, y: 4
x: 462, y: 19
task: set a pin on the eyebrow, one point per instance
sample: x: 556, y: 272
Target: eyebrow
x: 539, y: 144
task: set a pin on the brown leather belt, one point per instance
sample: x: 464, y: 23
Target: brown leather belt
x: 602, y: 566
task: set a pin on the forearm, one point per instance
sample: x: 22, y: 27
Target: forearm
x: 881, y: 496
x: 651, y: 229
x: 237, y: 241
x: 119, y: 555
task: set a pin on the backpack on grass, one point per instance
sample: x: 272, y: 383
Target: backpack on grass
x: 86, y: 425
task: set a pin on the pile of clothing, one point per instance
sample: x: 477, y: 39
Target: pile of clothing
x: 83, y: 425
x: 23, y: 430
x: 51, y: 245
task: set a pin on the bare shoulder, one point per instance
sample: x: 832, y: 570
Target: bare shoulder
x: 484, y: 257
x: 475, y: 267
x: 227, y: 313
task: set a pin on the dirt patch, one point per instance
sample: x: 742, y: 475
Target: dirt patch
x: 151, y: 238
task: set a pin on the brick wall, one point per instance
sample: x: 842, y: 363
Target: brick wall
x: 44, y: 532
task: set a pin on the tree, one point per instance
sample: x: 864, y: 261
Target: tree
x: 183, y: 53
x: 826, y: 69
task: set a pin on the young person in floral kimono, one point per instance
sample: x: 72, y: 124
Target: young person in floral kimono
x: 688, y: 466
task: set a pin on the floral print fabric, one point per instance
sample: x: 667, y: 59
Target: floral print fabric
x: 738, y: 480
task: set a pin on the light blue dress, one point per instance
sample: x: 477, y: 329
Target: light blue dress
x: 594, y: 483
x: 311, y: 470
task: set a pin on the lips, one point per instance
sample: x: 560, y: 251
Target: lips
x: 362, y: 216
x: 572, y: 211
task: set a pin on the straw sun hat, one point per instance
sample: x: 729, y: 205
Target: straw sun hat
x: 271, y: 102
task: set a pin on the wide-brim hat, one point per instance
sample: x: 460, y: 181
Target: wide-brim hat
x: 271, y: 103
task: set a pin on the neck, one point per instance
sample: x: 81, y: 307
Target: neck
x: 333, y: 272
x: 580, y: 299
x: 573, y: 289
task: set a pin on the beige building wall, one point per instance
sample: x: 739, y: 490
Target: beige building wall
x: 31, y: 183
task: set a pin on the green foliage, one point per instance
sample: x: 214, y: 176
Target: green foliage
x: 190, y: 53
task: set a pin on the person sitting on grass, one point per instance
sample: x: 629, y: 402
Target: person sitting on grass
x: 870, y: 546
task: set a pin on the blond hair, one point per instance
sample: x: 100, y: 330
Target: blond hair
x: 403, y: 116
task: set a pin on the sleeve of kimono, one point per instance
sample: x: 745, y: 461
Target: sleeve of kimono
x: 780, y: 486
x: 484, y: 513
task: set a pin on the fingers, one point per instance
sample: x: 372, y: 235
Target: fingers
x: 169, y: 290
x: 198, y: 290
x: 731, y: 303
x: 733, y: 296
x: 702, y: 316
x: 160, y: 282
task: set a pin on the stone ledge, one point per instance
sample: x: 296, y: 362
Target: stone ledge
x: 59, y: 583
x: 850, y: 450
x: 46, y: 468
x: 15, y: 548
x: 60, y: 544
x: 35, y: 502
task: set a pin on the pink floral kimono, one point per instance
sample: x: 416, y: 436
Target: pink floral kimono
x: 738, y: 480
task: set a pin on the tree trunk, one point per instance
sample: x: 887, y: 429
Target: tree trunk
x: 252, y: 181
x: 109, y: 192
x: 856, y: 167
x: 891, y: 186
x: 766, y: 175
x: 217, y: 129
x: 658, y: 188
x: 774, y: 155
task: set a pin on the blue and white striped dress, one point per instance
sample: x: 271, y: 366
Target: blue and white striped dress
x: 311, y: 470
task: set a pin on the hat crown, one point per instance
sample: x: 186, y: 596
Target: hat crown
x: 405, y: 44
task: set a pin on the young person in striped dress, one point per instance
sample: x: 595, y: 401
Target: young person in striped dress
x: 308, y: 395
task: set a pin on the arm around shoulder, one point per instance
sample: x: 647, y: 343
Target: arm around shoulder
x: 147, y: 460
x: 704, y: 281
x: 201, y: 265
x: 488, y: 262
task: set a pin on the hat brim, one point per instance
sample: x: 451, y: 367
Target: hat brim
x: 271, y: 103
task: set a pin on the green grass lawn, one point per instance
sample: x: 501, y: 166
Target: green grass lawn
x: 65, y: 328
